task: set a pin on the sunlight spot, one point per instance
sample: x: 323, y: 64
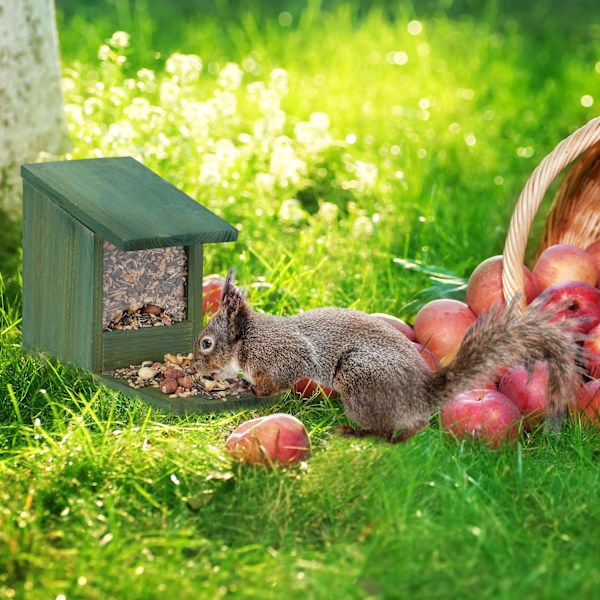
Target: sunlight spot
x: 454, y: 128
x: 61, y: 597
x: 285, y: 19
x: 397, y: 58
x: 399, y: 174
x: 213, y: 68
x: 174, y: 479
x: 415, y: 27
x: 587, y: 100
x: 498, y: 180
x: 351, y: 138
x: 418, y: 514
x: 465, y: 93
x: 476, y: 531
x: 395, y: 150
x: 422, y: 153
x: 525, y: 151
x: 300, y: 575
x: 43, y: 391
x: 106, y: 539
x: 139, y: 570
x: 424, y: 103
x: 470, y: 140
x: 423, y: 50
x: 81, y: 580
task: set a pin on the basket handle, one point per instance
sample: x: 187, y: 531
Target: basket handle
x: 530, y: 199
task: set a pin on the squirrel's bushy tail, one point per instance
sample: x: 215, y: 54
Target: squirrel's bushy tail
x: 505, y: 337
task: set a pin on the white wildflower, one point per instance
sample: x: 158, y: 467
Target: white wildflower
x: 328, y: 212
x: 314, y: 134
x: 362, y: 227
x: 119, y: 39
x: 286, y: 167
x: 291, y: 212
x: 184, y: 68
x: 230, y: 76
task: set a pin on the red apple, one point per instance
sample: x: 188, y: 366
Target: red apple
x: 485, y: 414
x: 591, y: 355
x: 307, y: 388
x: 588, y: 402
x: 441, y: 325
x: 594, y: 251
x: 212, y: 287
x: 528, y: 391
x: 427, y: 354
x: 398, y: 324
x: 276, y: 439
x: 574, y: 300
x: 484, y: 288
x: 563, y: 262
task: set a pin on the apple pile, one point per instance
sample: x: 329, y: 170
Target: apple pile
x: 566, y: 278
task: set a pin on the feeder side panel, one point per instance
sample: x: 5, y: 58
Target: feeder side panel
x: 194, y: 286
x: 59, y: 290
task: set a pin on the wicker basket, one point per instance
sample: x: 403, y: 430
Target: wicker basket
x: 574, y: 217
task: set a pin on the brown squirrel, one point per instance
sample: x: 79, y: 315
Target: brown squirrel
x: 385, y: 386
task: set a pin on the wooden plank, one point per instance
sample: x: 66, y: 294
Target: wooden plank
x: 127, y: 203
x: 185, y: 406
x: 131, y: 347
x: 58, y: 282
x: 194, y: 287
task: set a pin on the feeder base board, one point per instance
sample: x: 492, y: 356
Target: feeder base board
x: 183, y: 406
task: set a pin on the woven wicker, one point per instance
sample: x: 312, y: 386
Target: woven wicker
x: 574, y: 217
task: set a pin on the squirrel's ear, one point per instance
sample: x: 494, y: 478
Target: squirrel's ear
x: 234, y: 304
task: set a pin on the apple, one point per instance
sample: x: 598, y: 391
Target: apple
x: 591, y: 355
x: 212, y: 287
x: 573, y: 300
x: 307, y: 388
x: 485, y: 414
x: 275, y: 439
x: 398, y: 324
x: 564, y: 262
x: 428, y: 356
x: 441, y: 325
x: 594, y: 251
x: 527, y: 390
x: 588, y: 402
x: 484, y: 288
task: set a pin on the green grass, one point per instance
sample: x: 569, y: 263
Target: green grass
x: 103, y: 497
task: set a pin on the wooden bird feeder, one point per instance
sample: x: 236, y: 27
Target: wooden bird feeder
x: 102, y: 237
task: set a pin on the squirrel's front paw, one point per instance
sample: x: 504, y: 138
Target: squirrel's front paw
x: 263, y: 387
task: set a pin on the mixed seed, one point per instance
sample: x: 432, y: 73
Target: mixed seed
x: 176, y: 377
x: 136, y: 280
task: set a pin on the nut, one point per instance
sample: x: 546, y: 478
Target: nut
x: 168, y: 386
x: 187, y: 383
x: 173, y: 373
x: 152, y: 309
x: 146, y: 373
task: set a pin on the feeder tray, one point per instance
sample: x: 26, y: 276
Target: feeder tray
x: 108, y: 236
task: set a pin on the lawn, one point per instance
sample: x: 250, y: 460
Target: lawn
x: 337, y: 137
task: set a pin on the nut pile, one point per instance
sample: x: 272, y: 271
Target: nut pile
x: 177, y: 378
x: 138, y: 278
x: 149, y: 315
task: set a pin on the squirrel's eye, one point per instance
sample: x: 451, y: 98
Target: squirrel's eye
x: 206, y: 344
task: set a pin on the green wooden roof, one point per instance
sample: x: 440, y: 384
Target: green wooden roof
x: 126, y: 203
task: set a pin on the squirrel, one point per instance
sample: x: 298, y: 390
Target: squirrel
x: 385, y: 386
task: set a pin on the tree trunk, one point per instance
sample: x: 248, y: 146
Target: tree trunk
x: 32, y: 118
